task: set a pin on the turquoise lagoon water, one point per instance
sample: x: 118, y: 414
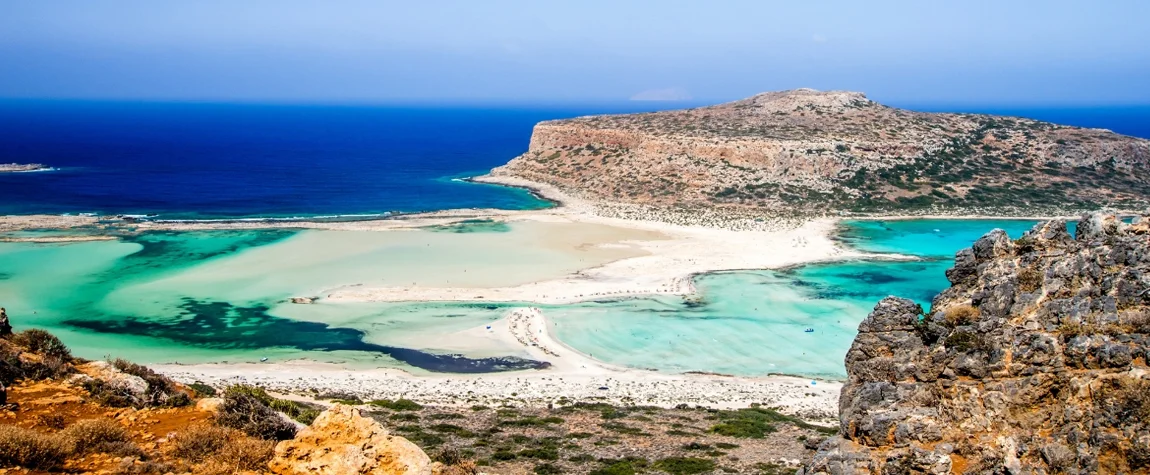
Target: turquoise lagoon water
x: 220, y: 296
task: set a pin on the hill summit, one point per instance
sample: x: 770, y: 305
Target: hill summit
x: 811, y: 151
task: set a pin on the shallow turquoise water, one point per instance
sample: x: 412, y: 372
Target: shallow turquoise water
x: 752, y: 323
x: 218, y: 296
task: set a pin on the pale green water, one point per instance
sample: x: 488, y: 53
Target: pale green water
x: 216, y: 296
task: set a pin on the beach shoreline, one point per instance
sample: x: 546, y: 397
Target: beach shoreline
x: 663, y: 265
x: 572, y: 377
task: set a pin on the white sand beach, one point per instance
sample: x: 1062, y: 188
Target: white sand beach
x: 572, y: 377
x: 611, y: 257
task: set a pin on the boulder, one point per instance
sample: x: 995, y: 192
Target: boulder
x: 107, y: 373
x: 341, y: 441
x: 209, y: 404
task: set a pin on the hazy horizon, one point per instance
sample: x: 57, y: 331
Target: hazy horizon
x: 975, y: 54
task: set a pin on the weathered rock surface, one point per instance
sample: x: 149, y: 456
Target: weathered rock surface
x: 341, y: 441
x: 804, y: 150
x: 1033, y: 361
x: 102, y: 370
x: 5, y: 325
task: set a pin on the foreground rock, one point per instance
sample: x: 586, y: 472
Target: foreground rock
x: 813, y: 152
x: 341, y: 441
x: 1033, y: 361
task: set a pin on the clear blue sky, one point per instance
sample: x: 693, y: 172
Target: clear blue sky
x: 1053, y: 52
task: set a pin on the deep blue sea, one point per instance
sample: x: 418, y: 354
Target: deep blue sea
x: 192, y: 160
x: 197, y: 160
x: 126, y: 297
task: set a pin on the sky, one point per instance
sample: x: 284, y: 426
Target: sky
x: 1020, y: 52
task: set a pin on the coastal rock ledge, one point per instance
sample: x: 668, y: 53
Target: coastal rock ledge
x: 1033, y: 361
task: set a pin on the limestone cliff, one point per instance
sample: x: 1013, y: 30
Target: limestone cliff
x: 1033, y: 361
x: 807, y: 150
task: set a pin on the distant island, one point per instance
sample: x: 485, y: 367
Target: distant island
x: 22, y: 167
x: 805, y: 151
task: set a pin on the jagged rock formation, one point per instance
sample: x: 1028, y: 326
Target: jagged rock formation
x: 1033, y: 361
x: 341, y: 441
x: 806, y: 150
x: 5, y: 325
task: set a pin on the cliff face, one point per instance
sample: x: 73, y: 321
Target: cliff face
x: 1033, y: 361
x: 806, y: 149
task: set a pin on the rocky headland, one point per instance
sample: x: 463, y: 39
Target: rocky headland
x: 23, y: 167
x: 1033, y: 361
x: 809, y: 152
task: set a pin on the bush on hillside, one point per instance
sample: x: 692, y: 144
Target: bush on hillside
x: 20, y: 447
x: 13, y: 368
x: 99, y: 435
x: 301, y: 412
x: 220, y: 449
x: 43, y: 343
x: 162, y: 392
x: 245, y: 411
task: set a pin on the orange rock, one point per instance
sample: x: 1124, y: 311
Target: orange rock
x: 342, y: 441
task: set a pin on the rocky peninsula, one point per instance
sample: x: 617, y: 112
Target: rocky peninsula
x: 1033, y: 361
x: 809, y: 152
x: 23, y: 167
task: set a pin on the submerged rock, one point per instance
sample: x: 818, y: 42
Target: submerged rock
x: 341, y: 441
x: 1033, y: 361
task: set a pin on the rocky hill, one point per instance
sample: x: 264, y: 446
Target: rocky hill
x: 1033, y: 361
x: 805, y: 150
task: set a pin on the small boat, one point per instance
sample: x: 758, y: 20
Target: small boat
x: 263, y: 359
x: 809, y: 330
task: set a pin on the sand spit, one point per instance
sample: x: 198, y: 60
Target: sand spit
x: 572, y: 377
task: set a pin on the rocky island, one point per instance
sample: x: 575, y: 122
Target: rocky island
x: 23, y: 167
x: 808, y: 151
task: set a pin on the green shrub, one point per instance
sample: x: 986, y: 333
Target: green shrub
x: 685, y: 465
x: 202, y: 389
x: 41, y: 342
x: 626, y: 466
x: 301, y: 412
x: 396, y: 405
x: 243, y: 411
x: 547, y: 469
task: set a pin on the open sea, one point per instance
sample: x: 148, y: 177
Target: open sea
x: 219, y: 296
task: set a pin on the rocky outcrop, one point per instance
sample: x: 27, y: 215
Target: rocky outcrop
x: 22, y: 167
x: 808, y: 150
x: 1033, y: 361
x: 341, y: 441
x: 130, y: 385
x: 5, y: 325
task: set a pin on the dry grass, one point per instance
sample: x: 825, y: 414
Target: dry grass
x: 221, y: 450
x: 20, y: 447
x: 961, y: 315
x: 198, y: 442
x: 1029, y: 280
x: 98, y: 435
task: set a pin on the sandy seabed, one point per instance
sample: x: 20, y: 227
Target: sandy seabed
x: 634, y: 258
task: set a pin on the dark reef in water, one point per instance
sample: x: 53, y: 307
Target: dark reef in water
x: 225, y: 326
